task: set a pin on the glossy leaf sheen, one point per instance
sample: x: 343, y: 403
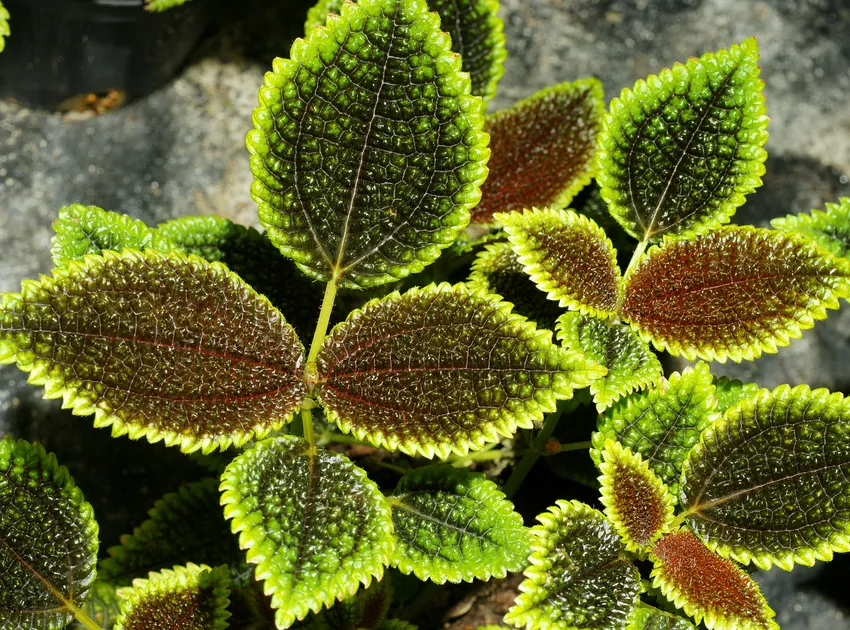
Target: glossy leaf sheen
x: 543, y: 149
x: 649, y: 618
x: 769, y: 483
x: 312, y: 522
x: 679, y: 151
x: 733, y: 293
x: 830, y: 227
x: 442, y: 369
x: 368, y: 150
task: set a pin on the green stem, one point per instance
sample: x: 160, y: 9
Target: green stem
x: 84, y: 619
x: 339, y: 438
x: 575, y: 446
x: 307, y: 425
x: 310, y: 369
x: 477, y: 456
x: 533, y: 454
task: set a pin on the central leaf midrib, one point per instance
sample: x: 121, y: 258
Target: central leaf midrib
x: 480, y: 536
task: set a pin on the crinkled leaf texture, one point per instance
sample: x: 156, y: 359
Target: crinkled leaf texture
x: 163, y: 346
x: 830, y: 227
x: 366, y: 609
x: 707, y: 587
x: 442, y: 369
x: 368, y: 150
x: 732, y: 293
x: 580, y: 576
x: 680, y: 151
x: 48, y: 540
x: 543, y: 149
x: 453, y: 525
x: 731, y: 392
x: 314, y: 524
x: 631, y: 363
x: 647, y: 617
x: 769, y: 483
x: 186, y: 598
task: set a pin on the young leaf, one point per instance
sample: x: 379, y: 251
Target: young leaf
x: 769, y: 483
x: 164, y: 346
x: 442, y: 369
x: 679, y: 151
x: 543, y: 149
x: 452, y: 524
x: 731, y: 392
x: 636, y: 500
x: 830, y: 228
x: 647, y: 617
x: 663, y: 424
x: 48, y: 539
x: 631, y: 363
x: 186, y: 598
x: 314, y: 524
x: 368, y: 150
x: 579, y: 576
x: 568, y: 256
x: 709, y: 588
x: 732, y: 293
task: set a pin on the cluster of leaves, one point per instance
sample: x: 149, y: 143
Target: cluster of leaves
x: 370, y: 153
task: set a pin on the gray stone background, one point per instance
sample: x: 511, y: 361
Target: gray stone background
x: 181, y: 151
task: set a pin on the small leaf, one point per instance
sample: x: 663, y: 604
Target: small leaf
x: 829, y: 228
x: 186, y: 598
x: 631, y: 363
x: 163, y: 346
x: 636, y: 500
x: 733, y: 293
x: 158, y: 6
x: 314, y: 524
x: 568, y: 256
x: 579, y: 576
x: 731, y: 392
x: 368, y: 150
x: 4, y: 26
x: 709, y: 588
x: 769, y: 483
x: 663, y: 424
x: 48, y: 539
x: 543, y: 149
x: 452, y: 524
x: 680, y: 151
x: 102, y: 606
x: 647, y: 617
x: 442, y: 369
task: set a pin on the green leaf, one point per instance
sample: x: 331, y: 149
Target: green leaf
x: 4, y: 26
x: 48, y: 539
x: 680, y: 151
x: 769, y: 483
x: 647, y: 617
x: 543, y: 149
x: 158, y: 6
x: 631, y: 363
x: 580, y: 576
x: 568, y: 256
x: 185, y: 598
x: 663, y: 424
x: 164, y: 346
x: 829, y: 228
x: 455, y: 525
x: 368, y: 150
x: 396, y: 624
x: 367, y: 608
x: 732, y: 293
x: 707, y: 587
x: 442, y: 369
x: 102, y: 606
x: 314, y: 524
x: 82, y: 230
x: 731, y: 392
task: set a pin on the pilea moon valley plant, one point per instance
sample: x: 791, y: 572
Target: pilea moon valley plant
x: 369, y: 316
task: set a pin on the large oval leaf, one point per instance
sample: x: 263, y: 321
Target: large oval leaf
x: 48, y: 540
x: 680, y: 151
x: 769, y: 483
x: 368, y: 150
x: 164, y: 346
x: 442, y: 369
x: 733, y: 293
x: 314, y: 524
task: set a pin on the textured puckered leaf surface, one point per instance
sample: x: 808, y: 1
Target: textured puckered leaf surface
x: 442, y: 369
x: 568, y: 256
x: 102, y: 606
x: 579, y: 576
x: 543, y: 149
x: 163, y: 346
x: 452, y: 524
x: 635, y: 499
x: 631, y: 363
x: 185, y: 598
x: 707, y: 587
x: 312, y: 522
x: 368, y: 150
x: 662, y: 424
x: 830, y: 227
x: 731, y: 392
x: 48, y: 536
x: 733, y: 293
x: 647, y: 617
x: 769, y: 483
x: 679, y: 151
x: 365, y: 609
